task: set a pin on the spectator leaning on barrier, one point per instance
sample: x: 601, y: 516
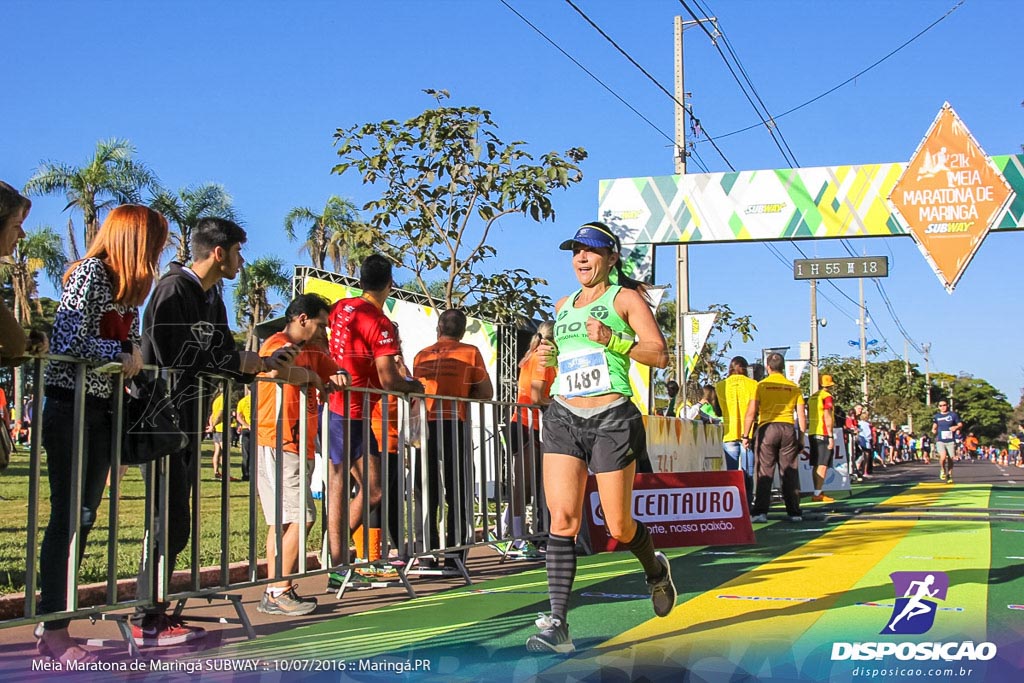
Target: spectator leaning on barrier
x: 735, y: 393
x: 314, y: 369
x: 364, y: 343
x: 820, y: 425
x: 185, y: 327
x: 450, y: 368
x: 778, y: 441
x: 97, y: 320
x: 14, y: 210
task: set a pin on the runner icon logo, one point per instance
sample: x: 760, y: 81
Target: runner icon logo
x: 916, y: 595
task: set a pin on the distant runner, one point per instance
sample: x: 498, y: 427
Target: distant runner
x: 945, y: 425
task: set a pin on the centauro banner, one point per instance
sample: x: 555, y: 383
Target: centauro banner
x: 806, y: 203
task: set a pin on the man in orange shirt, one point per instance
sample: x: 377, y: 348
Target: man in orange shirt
x: 313, y: 368
x: 453, y: 369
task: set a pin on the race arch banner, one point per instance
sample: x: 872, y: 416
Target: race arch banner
x: 947, y: 197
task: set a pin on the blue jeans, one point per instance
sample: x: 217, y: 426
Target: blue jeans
x: 736, y: 458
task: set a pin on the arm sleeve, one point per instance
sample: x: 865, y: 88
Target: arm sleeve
x: 84, y: 300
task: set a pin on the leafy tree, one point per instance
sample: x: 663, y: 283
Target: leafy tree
x: 446, y: 178
x: 713, y: 360
x: 256, y: 282
x: 336, y: 233
x: 187, y: 207
x: 109, y: 178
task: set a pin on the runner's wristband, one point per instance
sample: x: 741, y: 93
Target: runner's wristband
x: 621, y: 344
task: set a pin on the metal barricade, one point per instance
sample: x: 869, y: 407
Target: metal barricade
x: 462, y: 474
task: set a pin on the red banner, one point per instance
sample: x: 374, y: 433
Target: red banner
x: 679, y: 509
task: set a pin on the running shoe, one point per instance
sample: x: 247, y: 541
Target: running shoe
x: 822, y: 498
x: 795, y: 518
x: 553, y: 637
x: 758, y: 519
x: 663, y: 591
x: 943, y: 475
x: 335, y: 581
x: 287, y: 603
x: 949, y: 480
x: 162, y: 630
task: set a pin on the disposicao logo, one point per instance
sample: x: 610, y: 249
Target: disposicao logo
x: 915, y: 608
x: 914, y: 613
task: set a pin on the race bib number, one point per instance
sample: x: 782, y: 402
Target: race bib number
x: 583, y: 373
x: 946, y: 435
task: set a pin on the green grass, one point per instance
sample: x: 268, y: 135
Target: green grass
x: 14, y: 522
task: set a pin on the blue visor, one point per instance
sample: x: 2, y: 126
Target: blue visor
x: 590, y: 237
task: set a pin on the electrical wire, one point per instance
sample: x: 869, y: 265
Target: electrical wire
x: 854, y: 77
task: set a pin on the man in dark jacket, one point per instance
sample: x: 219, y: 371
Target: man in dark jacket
x: 185, y: 327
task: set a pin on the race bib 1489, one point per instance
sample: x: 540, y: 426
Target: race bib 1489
x: 583, y: 373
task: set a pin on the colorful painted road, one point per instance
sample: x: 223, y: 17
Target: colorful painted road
x: 793, y: 607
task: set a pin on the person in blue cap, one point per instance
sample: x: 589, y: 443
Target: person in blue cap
x: 591, y: 424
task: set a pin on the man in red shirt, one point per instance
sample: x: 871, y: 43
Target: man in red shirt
x: 364, y: 344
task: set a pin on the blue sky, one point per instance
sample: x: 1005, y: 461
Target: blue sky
x: 248, y: 94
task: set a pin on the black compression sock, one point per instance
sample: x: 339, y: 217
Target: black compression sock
x: 561, y: 564
x: 643, y: 548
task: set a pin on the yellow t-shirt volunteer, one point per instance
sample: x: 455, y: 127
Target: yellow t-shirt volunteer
x: 735, y: 393
x: 777, y: 398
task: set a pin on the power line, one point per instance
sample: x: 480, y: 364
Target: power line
x: 687, y: 108
x: 589, y: 72
x: 853, y: 77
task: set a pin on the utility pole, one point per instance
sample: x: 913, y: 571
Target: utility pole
x: 906, y: 371
x: 814, y: 336
x: 863, y: 343
x: 926, y: 347
x: 682, y: 250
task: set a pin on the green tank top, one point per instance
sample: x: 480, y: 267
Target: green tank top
x: 575, y: 366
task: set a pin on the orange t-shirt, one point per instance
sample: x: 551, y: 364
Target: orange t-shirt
x: 313, y: 358
x: 448, y: 368
x: 530, y: 371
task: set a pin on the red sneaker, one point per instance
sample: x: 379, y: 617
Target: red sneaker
x: 162, y: 630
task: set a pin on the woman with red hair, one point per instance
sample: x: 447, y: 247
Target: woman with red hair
x: 97, y: 321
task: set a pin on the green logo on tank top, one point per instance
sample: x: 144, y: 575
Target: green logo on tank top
x: 599, y: 312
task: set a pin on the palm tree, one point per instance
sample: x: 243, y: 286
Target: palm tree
x: 109, y: 178
x: 256, y: 281
x: 335, y: 233
x: 186, y: 208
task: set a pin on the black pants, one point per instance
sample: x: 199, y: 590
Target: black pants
x: 53, y: 557
x: 448, y: 443
x: 245, y: 439
x: 777, y: 447
x: 180, y: 475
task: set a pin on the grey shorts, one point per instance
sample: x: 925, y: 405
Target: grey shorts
x: 292, y: 490
x: 608, y: 438
x: 947, y: 448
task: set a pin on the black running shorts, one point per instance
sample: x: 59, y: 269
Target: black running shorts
x: 607, y: 439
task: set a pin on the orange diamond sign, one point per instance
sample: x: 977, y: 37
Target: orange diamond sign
x: 949, y: 195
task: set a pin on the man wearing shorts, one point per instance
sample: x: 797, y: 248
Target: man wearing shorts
x: 312, y: 369
x: 820, y: 424
x: 364, y: 344
x: 945, y: 426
